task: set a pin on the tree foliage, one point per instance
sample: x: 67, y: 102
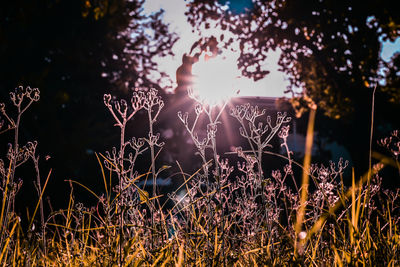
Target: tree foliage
x: 75, y: 51
x: 113, y: 41
x: 330, y: 50
x: 392, y: 80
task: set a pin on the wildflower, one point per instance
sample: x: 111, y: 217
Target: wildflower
x: 284, y: 132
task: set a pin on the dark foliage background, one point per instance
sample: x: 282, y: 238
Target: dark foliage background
x: 74, y: 52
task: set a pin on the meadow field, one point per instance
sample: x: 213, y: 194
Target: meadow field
x: 223, y: 213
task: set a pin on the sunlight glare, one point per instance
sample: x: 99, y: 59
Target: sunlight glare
x: 215, y: 80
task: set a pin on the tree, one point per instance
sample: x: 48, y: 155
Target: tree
x: 74, y: 52
x: 392, y: 81
x: 330, y: 50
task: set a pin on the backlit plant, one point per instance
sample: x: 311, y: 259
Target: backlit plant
x: 232, y: 211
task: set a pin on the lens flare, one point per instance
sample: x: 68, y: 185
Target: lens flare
x: 215, y: 79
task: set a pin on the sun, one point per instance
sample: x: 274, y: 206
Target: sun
x: 215, y: 79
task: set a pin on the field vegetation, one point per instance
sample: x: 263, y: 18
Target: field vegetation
x: 225, y: 213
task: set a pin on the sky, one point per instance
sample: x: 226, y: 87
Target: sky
x: 273, y: 85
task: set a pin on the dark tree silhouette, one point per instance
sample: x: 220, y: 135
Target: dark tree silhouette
x: 330, y: 50
x: 110, y: 41
x: 75, y: 51
x: 392, y: 82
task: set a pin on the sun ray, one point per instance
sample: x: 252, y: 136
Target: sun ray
x: 215, y: 79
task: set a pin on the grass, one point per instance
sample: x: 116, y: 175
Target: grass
x: 222, y: 214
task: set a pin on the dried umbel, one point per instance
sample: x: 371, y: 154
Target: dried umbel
x: 129, y: 209
x: 211, y: 114
x: 256, y: 131
x: 21, y: 93
x: 137, y: 103
x: 392, y: 144
x: 21, y: 98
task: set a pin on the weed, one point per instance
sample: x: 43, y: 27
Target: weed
x: 228, y: 212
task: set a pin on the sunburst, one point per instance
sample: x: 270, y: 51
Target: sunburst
x: 215, y: 79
